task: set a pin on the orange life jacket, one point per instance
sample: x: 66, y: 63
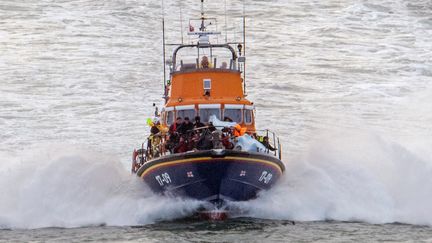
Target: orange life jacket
x: 239, y: 131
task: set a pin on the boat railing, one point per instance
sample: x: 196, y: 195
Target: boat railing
x: 273, y: 145
x: 211, y: 46
x: 204, y: 138
x: 225, y: 65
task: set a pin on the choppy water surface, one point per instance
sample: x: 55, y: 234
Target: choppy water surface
x: 233, y: 230
x: 346, y: 84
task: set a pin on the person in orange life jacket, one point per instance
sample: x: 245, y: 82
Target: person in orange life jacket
x: 267, y: 144
x: 239, y: 131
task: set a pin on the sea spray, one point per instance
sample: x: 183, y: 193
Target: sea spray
x: 63, y: 186
x: 343, y: 176
x: 351, y: 177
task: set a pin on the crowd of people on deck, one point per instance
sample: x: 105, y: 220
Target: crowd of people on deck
x: 184, y: 135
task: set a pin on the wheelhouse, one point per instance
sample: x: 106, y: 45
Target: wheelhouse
x: 207, y: 78
x: 241, y: 114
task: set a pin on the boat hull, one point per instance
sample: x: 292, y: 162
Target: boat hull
x: 216, y: 176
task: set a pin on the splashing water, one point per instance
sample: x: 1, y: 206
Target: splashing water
x: 58, y: 187
x: 351, y: 177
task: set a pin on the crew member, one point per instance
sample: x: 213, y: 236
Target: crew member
x: 227, y: 119
x: 267, y: 144
x: 173, y: 135
x: 239, y: 130
x: 224, y: 65
x: 205, y: 62
x: 173, y: 128
x: 198, y: 122
x: 185, y: 127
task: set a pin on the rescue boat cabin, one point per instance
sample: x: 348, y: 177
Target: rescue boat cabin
x: 206, y: 79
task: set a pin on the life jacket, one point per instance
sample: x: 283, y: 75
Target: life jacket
x: 239, y: 131
x: 260, y: 138
x: 243, y: 131
x: 163, y: 129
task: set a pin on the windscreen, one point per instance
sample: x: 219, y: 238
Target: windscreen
x: 190, y: 58
x: 234, y: 114
x: 248, y: 116
x: 186, y: 113
x: 206, y: 113
x: 170, y: 117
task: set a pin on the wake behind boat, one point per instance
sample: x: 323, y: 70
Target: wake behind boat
x: 220, y: 157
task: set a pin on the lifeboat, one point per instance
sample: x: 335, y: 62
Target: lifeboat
x: 204, y: 144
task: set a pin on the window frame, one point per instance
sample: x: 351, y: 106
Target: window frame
x: 169, y: 110
x: 249, y: 108
x: 234, y: 107
x: 209, y: 106
x: 184, y: 108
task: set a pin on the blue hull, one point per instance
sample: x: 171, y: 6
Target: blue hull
x: 215, y: 176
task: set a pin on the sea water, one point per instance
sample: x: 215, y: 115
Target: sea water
x: 345, y: 84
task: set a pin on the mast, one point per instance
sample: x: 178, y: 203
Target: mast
x: 164, y: 55
x: 226, y: 26
x: 181, y: 21
x: 244, y: 46
x: 202, y: 28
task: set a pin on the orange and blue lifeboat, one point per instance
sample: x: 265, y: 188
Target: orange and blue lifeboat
x: 209, y: 83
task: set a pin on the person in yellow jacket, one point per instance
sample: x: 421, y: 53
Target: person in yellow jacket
x: 205, y: 62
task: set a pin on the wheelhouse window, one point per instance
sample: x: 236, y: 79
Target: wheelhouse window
x: 190, y: 113
x: 207, y: 110
x: 206, y: 113
x: 170, y: 117
x: 248, y: 116
x: 233, y: 112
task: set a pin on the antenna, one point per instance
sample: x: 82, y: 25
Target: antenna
x: 226, y: 27
x: 163, y: 45
x: 181, y: 21
x: 202, y: 28
x: 244, y: 45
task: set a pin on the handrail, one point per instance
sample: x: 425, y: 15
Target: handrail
x: 163, y: 146
x: 275, y: 142
x: 210, y: 70
x: 174, y: 58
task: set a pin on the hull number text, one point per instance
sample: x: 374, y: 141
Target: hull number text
x: 163, y: 179
x: 265, y: 177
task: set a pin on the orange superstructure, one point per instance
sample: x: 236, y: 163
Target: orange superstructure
x: 197, y: 89
x: 226, y: 86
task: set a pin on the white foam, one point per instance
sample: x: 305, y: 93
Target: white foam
x: 69, y: 187
x: 351, y: 177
